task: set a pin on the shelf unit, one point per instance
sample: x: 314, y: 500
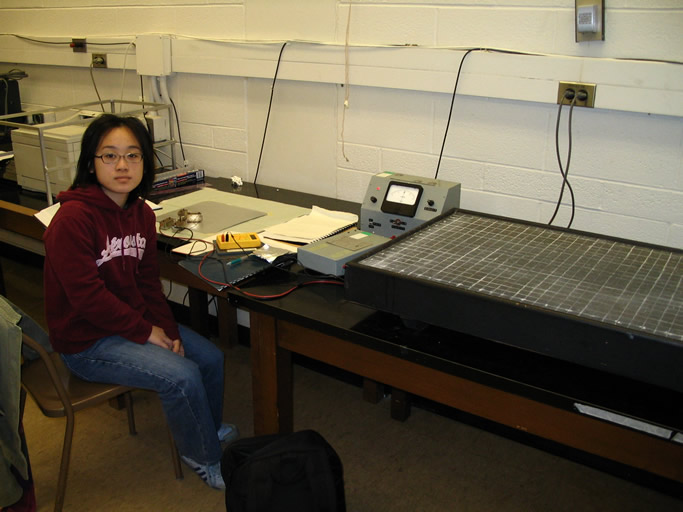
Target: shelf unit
x: 75, y: 117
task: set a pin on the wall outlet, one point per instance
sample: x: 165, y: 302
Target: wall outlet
x: 99, y: 60
x: 576, y: 87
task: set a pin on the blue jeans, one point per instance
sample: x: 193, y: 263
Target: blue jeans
x: 190, y: 387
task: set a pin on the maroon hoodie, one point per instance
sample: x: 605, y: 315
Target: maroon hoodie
x: 101, y: 272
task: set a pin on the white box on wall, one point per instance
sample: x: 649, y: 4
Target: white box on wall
x: 153, y: 54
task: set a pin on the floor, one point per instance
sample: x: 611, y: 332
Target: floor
x: 428, y: 463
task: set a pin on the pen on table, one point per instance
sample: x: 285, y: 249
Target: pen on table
x: 239, y: 260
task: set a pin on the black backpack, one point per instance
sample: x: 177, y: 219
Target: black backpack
x: 299, y: 472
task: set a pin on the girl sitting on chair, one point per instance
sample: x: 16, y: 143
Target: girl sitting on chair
x: 106, y: 311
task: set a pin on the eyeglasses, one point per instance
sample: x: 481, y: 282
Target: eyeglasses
x: 113, y: 158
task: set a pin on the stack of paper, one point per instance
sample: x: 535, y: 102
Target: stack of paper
x: 319, y: 223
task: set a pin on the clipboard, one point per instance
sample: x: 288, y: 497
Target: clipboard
x: 219, y: 269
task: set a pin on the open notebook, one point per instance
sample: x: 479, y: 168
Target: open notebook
x: 316, y: 225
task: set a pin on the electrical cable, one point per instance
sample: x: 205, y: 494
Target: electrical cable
x: 450, y: 110
x: 230, y: 235
x: 270, y: 104
x: 177, y: 121
x: 347, y: 88
x: 92, y: 77
x: 65, y: 43
x: 14, y: 74
x: 565, y: 172
x: 320, y: 43
x: 123, y: 74
x: 68, y: 43
x: 191, y: 238
x: 149, y: 128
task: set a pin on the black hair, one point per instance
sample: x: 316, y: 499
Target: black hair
x: 92, y: 137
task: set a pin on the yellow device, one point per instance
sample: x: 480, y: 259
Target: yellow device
x: 229, y: 241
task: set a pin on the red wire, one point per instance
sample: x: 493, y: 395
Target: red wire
x: 253, y: 295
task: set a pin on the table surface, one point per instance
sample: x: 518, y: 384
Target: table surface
x: 326, y: 308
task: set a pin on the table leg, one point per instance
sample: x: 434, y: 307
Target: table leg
x: 271, y: 378
x: 400, y: 404
x: 199, y: 311
x: 373, y: 391
x: 227, y: 322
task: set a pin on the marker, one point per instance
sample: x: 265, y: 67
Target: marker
x: 237, y: 261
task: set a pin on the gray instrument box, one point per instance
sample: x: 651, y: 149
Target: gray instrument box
x: 396, y: 203
x: 329, y: 255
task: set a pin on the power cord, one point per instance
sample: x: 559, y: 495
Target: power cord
x: 573, y: 97
x: 450, y: 110
x: 177, y: 122
x: 270, y: 104
x: 455, y: 89
x: 92, y: 78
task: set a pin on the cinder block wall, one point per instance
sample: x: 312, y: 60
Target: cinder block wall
x: 626, y: 167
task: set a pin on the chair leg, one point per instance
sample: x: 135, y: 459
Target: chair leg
x: 64, y: 465
x: 174, y: 456
x: 128, y: 397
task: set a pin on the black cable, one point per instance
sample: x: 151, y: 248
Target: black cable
x: 40, y: 41
x: 564, y: 172
x: 455, y: 88
x: 149, y: 127
x: 450, y: 110
x: 230, y: 235
x: 67, y: 43
x: 14, y: 74
x: 106, y: 44
x: 177, y: 122
x: 270, y: 104
x: 569, y: 156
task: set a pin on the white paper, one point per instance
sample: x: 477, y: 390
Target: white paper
x: 46, y: 214
x: 320, y: 223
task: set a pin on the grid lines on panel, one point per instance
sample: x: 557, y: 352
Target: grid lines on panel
x: 608, y: 281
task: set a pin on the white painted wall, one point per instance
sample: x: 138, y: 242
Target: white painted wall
x: 627, y: 162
